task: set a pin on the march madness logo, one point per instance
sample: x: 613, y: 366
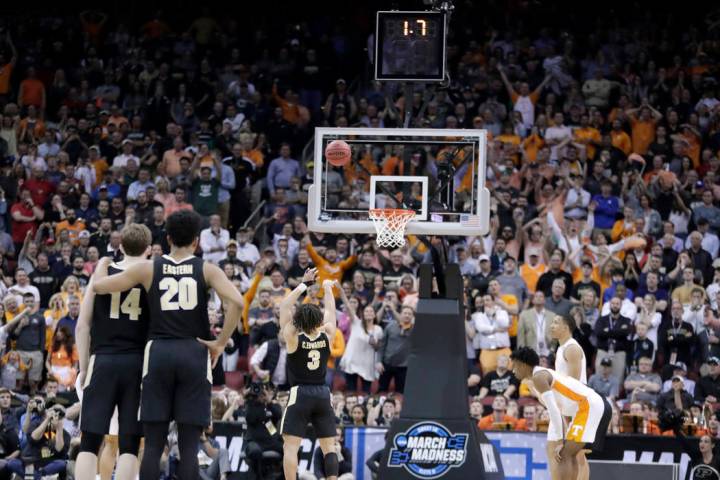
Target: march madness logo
x: 428, y: 450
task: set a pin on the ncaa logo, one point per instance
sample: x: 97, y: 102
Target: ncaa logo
x: 428, y: 450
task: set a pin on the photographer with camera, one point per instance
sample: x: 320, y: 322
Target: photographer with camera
x: 34, y: 412
x: 47, y: 445
x: 9, y: 447
x: 263, y: 418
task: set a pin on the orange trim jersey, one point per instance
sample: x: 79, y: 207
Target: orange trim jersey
x: 578, y: 401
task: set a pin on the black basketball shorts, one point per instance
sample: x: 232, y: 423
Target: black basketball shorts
x: 599, y: 443
x: 309, y: 404
x: 113, y: 380
x: 176, y: 382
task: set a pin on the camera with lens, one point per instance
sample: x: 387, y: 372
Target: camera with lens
x: 671, y: 420
x: 254, y: 390
x: 36, y: 406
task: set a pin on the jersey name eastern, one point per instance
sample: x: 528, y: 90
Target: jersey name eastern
x: 178, y: 299
x: 120, y: 320
x: 308, y: 364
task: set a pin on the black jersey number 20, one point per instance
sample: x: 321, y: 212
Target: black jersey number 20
x: 179, y: 294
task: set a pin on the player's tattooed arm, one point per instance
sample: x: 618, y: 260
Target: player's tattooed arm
x: 138, y: 274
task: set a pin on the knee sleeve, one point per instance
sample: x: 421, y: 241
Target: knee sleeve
x: 129, y: 444
x: 91, y: 442
x: 331, y: 465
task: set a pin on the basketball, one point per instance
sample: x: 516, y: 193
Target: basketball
x: 338, y: 153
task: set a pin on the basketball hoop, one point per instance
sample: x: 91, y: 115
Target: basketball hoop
x: 390, y: 225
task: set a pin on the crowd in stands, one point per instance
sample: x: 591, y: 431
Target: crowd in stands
x: 603, y: 164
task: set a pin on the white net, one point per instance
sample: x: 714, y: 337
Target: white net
x: 390, y: 226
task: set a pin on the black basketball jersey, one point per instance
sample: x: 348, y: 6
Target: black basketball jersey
x: 120, y: 320
x: 178, y: 299
x: 308, y: 364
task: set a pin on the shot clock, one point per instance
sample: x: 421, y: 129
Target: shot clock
x: 410, y: 46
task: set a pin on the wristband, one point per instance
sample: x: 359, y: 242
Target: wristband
x: 302, y: 287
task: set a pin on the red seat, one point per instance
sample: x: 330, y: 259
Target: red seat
x: 243, y: 364
x: 339, y: 384
x: 235, y: 380
x: 522, y: 401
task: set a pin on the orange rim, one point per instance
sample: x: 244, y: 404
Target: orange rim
x: 391, y: 212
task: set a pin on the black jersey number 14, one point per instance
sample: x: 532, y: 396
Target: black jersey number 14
x: 130, y: 306
x: 179, y: 294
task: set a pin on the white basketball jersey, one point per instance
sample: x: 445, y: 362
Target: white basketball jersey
x: 569, y: 393
x: 562, y: 365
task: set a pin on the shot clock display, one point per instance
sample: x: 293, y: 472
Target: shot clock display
x: 410, y: 46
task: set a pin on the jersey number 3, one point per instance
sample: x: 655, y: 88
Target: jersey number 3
x: 130, y: 307
x: 314, y: 362
x: 179, y: 294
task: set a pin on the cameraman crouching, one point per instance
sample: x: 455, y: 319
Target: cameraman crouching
x: 47, y: 446
x: 262, y: 426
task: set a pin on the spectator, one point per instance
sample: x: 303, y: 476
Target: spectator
x: 140, y: 185
x: 261, y: 319
x: 511, y: 283
x: 248, y: 253
x: 676, y: 338
x: 643, y: 385
x: 709, y: 337
x: 47, y: 445
x: 708, y: 388
x: 546, y: 280
x: 170, y: 163
x: 214, y: 241
x: 534, y: 326
x: 282, y: 169
x: 394, y: 351
x: 32, y: 93
x: 359, y: 359
x: 62, y: 360
x: 612, y: 332
x: 328, y: 265
x: 604, y: 382
x: 121, y: 161
x: 642, y: 346
x: 529, y: 420
x: 683, y: 292
x: 680, y: 369
x: 500, y: 381
x: 269, y: 362
x: 523, y: 100
x: 259, y: 437
x: 215, y: 461
x: 205, y: 188
x: 557, y: 302
x: 498, y: 416
x: 25, y: 215
x: 607, y: 207
x: 30, y: 337
x: 676, y: 398
x: 492, y: 326
x: 23, y: 286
